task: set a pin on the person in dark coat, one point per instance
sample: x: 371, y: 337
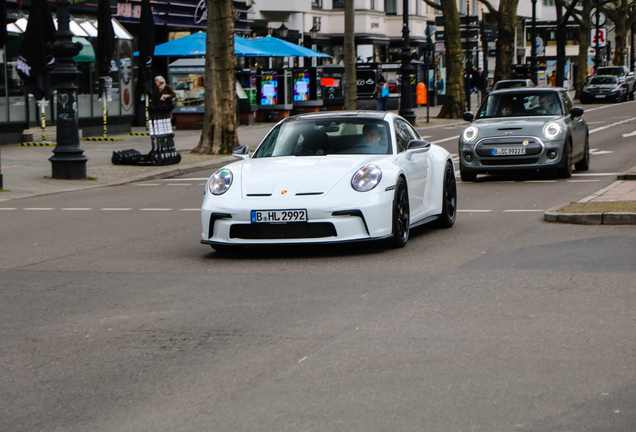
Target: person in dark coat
x: 162, y: 93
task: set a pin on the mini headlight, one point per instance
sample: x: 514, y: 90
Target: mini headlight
x: 366, y: 178
x: 470, y: 133
x: 220, y: 181
x: 551, y: 130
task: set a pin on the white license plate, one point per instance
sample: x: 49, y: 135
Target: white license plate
x: 279, y: 216
x: 599, y: 96
x: 508, y: 151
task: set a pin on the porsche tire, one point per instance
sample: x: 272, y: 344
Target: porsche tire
x: 401, y: 215
x: 449, y: 197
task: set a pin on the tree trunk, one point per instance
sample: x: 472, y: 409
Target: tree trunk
x: 620, y: 15
x: 506, y: 25
x: 584, y: 46
x: 455, y: 101
x: 561, y: 38
x: 219, y: 135
x: 351, y: 89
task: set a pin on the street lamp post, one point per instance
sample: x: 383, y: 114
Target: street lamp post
x: 469, y: 66
x: 597, y: 52
x: 534, y: 67
x: 406, y: 70
x: 313, y: 34
x: 68, y: 161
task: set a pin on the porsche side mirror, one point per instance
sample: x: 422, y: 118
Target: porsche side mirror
x: 417, y: 146
x: 241, y: 152
x: 576, y: 112
x: 468, y: 116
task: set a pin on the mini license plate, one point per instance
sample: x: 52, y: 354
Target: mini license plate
x: 508, y: 151
x: 279, y: 216
x: 599, y: 96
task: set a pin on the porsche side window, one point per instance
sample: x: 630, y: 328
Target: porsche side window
x: 403, y: 135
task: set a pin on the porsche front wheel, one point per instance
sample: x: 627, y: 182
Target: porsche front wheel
x: 449, y: 196
x: 401, y: 215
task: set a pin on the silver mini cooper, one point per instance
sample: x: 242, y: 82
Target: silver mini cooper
x: 525, y: 129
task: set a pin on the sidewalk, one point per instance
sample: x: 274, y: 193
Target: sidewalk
x: 27, y: 171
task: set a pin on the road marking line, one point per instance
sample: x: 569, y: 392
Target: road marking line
x: 521, y: 211
x: 596, y: 153
x: 147, y: 184
x: 179, y: 184
x: 8, y: 208
x: 115, y: 209
x: 155, y: 209
x: 474, y: 211
x: 540, y: 181
x: 43, y: 209
x: 186, y: 179
x: 445, y: 139
x: 613, y: 124
x: 77, y: 209
x: 606, y: 106
x: 582, y: 181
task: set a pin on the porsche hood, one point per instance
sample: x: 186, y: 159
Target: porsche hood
x: 313, y: 175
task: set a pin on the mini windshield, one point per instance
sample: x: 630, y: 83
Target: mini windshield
x: 603, y: 80
x: 520, y: 104
x: 325, y: 136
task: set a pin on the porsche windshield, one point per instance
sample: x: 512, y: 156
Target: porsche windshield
x: 325, y: 136
x: 520, y: 104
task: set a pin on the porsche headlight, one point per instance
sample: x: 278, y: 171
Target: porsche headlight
x: 552, y: 130
x: 470, y: 133
x: 366, y: 178
x: 220, y: 181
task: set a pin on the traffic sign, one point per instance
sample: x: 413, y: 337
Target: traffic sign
x: 602, y: 38
x: 469, y: 33
x: 469, y: 21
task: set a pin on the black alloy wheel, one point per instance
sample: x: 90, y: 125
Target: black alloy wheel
x: 584, y: 164
x: 449, y: 205
x: 401, y: 215
x: 566, y: 170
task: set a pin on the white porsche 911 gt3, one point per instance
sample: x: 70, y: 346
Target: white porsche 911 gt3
x: 327, y: 178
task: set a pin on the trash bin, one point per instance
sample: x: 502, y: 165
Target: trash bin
x: 272, y: 116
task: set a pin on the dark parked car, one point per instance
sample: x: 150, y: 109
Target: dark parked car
x: 603, y: 88
x: 526, y: 128
x: 625, y: 77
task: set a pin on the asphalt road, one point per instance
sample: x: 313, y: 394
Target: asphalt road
x: 113, y: 317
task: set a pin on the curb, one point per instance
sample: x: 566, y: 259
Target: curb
x: 553, y: 215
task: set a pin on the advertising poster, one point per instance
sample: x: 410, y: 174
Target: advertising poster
x: 125, y: 76
x: 301, y: 86
x: 269, y: 90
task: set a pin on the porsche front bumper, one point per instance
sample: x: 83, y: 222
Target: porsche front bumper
x: 368, y: 216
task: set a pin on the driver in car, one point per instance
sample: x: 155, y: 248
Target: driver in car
x: 546, y: 103
x: 371, y: 135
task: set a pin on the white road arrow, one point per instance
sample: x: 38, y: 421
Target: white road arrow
x: 629, y: 134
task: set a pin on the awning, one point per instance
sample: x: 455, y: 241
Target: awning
x: 87, y: 54
x: 283, y: 48
x: 194, y: 46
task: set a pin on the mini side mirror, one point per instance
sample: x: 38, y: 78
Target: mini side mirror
x: 468, y: 116
x: 576, y: 112
x: 241, y: 152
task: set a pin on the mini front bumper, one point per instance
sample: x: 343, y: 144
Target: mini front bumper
x: 541, y: 153
x: 330, y: 219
